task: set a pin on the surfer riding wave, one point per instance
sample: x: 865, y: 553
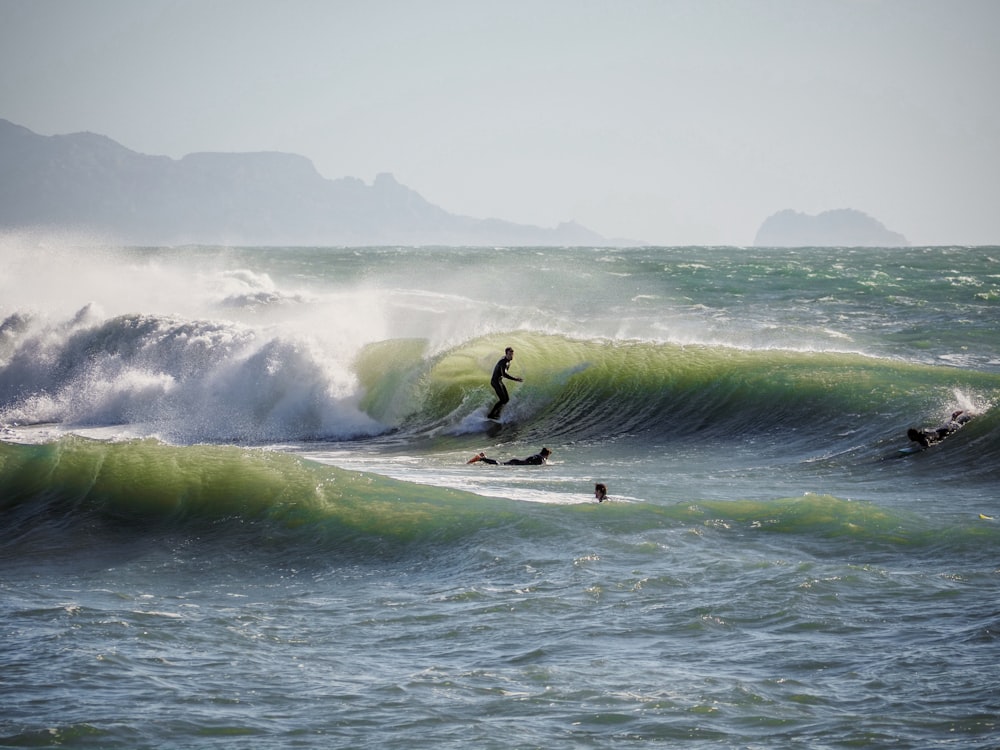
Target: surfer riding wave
x: 499, y: 373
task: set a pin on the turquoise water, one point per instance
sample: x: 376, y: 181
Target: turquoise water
x: 237, y: 509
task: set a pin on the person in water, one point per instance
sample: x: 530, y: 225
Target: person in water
x: 601, y: 492
x: 929, y: 437
x: 499, y: 373
x: 538, y: 459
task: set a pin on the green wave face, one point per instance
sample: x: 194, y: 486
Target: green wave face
x: 581, y: 387
x: 158, y: 486
x: 278, y: 501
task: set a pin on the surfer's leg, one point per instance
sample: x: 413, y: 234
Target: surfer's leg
x: 501, y: 390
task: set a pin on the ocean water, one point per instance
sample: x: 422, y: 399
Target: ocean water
x: 235, y: 508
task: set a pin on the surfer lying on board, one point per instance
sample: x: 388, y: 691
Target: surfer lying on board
x: 536, y: 460
x: 929, y: 437
x: 499, y: 373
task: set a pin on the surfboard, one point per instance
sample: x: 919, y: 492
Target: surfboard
x: 911, y: 449
x: 492, y: 426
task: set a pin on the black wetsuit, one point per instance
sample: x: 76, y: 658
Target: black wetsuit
x: 499, y: 373
x: 537, y: 460
x: 928, y: 437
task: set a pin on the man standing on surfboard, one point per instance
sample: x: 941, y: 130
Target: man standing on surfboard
x: 499, y: 373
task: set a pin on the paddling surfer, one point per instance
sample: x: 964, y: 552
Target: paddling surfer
x: 928, y: 437
x: 499, y: 373
x: 542, y: 457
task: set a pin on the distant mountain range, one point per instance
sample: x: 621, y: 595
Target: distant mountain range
x: 89, y: 183
x: 843, y: 227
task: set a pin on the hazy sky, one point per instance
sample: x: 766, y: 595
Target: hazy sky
x: 668, y: 121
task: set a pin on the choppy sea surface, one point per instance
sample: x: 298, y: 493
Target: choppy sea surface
x: 236, y: 508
